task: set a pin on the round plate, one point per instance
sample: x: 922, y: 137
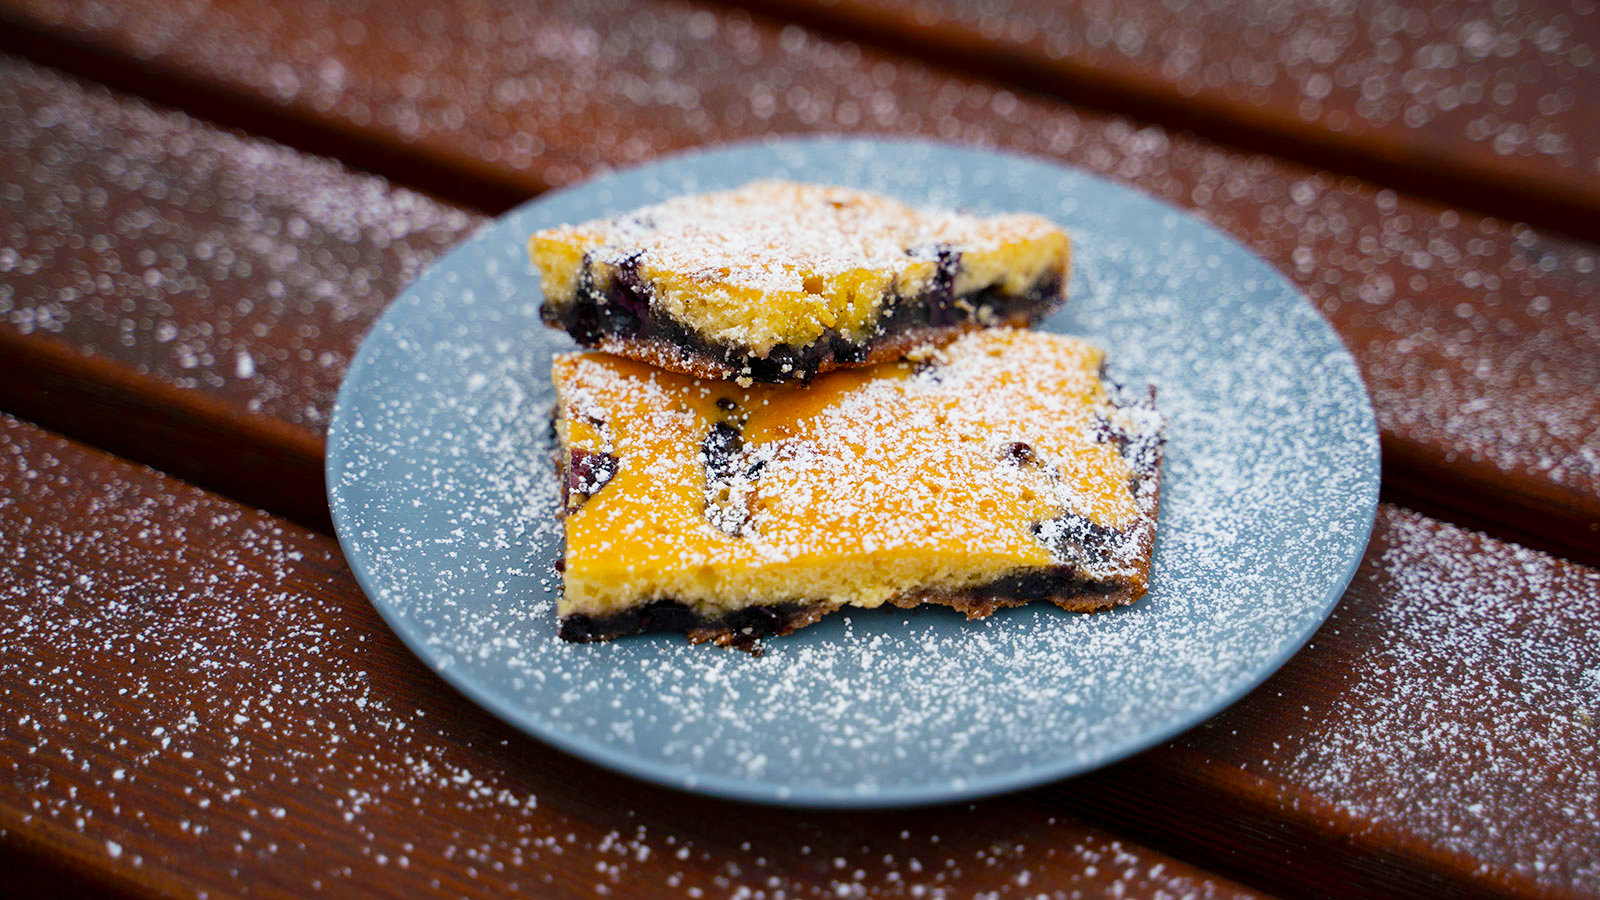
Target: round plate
x: 441, y: 478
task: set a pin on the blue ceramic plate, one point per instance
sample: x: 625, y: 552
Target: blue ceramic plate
x: 442, y: 485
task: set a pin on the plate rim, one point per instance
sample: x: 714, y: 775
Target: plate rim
x: 766, y: 793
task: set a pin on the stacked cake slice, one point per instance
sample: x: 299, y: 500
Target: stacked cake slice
x: 814, y: 397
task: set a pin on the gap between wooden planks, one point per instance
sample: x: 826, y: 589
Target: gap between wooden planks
x: 1479, y: 338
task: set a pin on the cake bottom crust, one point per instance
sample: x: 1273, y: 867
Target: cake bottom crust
x: 744, y: 628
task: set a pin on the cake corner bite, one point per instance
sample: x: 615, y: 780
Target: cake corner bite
x: 781, y: 281
x: 1000, y: 470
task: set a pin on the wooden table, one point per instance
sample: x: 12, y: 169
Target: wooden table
x: 205, y: 205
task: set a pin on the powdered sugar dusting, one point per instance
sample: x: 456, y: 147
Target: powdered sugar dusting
x: 1467, y: 708
x: 445, y: 500
x: 1498, y: 85
x: 230, y: 266
x: 769, y: 236
x: 159, y: 639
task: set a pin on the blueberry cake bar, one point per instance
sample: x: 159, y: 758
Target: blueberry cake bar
x: 778, y: 281
x: 998, y: 470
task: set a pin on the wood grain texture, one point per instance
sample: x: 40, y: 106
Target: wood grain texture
x: 1444, y: 720
x: 1479, y: 338
x: 186, y: 296
x: 1485, y: 103
x: 201, y: 693
x: 198, y: 699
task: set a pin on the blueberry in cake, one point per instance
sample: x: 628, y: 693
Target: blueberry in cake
x: 778, y: 281
x: 998, y: 470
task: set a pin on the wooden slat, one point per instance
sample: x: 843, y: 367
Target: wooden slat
x: 1445, y: 721
x: 200, y: 696
x: 1484, y: 104
x: 1479, y: 338
x: 190, y: 297
x: 199, y: 701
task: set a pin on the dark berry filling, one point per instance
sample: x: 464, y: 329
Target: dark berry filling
x: 744, y: 626
x: 730, y: 474
x: 1078, y: 539
x: 1142, y: 450
x: 720, y: 450
x: 1020, y: 452
x: 1043, y: 584
x: 587, y: 473
x: 623, y: 310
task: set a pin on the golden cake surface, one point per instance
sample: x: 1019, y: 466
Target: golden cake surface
x: 782, y: 263
x: 1000, y: 455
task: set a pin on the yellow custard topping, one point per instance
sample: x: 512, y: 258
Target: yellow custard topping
x: 942, y: 473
